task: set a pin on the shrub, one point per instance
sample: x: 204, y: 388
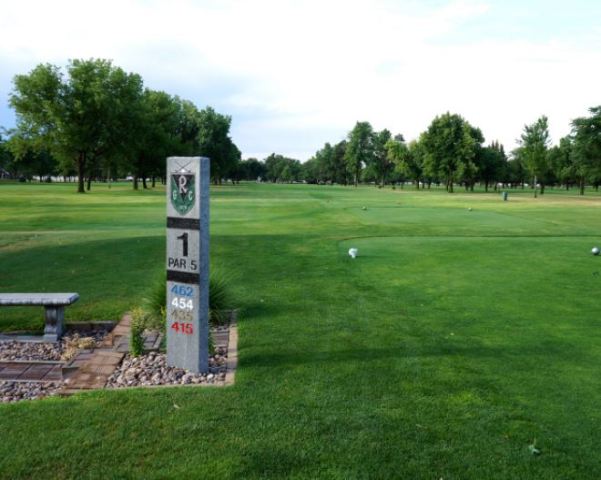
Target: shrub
x: 219, y: 302
x: 154, y: 305
x: 139, y: 319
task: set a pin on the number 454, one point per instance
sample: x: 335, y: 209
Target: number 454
x: 182, y: 303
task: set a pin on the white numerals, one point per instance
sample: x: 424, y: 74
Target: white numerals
x: 182, y: 303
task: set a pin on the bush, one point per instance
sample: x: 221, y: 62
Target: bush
x: 139, y: 319
x: 154, y: 304
x: 220, y: 302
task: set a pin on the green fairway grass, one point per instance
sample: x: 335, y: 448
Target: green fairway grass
x: 455, y: 341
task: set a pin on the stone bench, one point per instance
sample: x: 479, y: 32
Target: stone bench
x: 53, y: 303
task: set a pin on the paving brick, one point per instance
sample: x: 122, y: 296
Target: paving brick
x: 220, y: 337
x: 35, y: 372
x: 106, y: 370
x: 77, y: 363
x: 109, y: 354
x: 55, y: 374
x: 13, y: 370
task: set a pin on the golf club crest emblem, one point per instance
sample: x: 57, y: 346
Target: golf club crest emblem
x: 183, y: 190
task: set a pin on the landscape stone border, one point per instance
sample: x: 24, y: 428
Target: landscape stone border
x: 93, y: 368
x: 90, y: 369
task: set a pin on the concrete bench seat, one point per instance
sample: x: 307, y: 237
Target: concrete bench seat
x: 54, y: 308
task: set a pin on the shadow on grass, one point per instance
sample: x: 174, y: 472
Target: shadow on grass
x: 532, y: 352
x: 110, y: 276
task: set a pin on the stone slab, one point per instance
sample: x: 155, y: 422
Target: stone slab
x: 12, y: 370
x: 232, y: 355
x: 23, y: 299
x: 34, y: 371
x: 55, y: 374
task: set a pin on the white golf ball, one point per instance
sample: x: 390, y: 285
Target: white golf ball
x: 595, y: 251
x: 353, y: 252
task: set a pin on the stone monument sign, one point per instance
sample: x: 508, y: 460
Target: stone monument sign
x: 188, y: 263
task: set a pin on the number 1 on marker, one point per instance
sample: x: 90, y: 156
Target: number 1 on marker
x: 184, y: 238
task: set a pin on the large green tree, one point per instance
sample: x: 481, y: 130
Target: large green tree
x: 399, y: 156
x: 156, y: 136
x: 492, y: 164
x: 251, y: 169
x: 534, y: 143
x: 561, y: 161
x: 6, y: 156
x: 381, y: 161
x: 79, y: 117
x: 339, y: 165
x: 587, y: 148
x: 282, y: 169
x: 450, y: 148
x: 359, y: 149
x: 215, y: 143
x: 469, y: 169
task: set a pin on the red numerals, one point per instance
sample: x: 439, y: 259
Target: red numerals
x: 185, y: 328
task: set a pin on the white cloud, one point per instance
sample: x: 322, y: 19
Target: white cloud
x: 296, y: 74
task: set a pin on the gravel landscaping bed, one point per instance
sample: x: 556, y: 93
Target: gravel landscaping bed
x: 145, y: 370
x: 15, y: 391
x: 11, y: 350
x: 152, y: 369
x: 15, y: 350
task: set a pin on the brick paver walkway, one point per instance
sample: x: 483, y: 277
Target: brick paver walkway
x: 90, y: 369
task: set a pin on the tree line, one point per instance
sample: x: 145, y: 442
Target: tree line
x: 96, y: 121
x: 450, y: 152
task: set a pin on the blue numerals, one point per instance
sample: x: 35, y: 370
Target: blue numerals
x: 182, y: 290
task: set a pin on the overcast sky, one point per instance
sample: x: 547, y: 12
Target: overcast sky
x: 296, y: 74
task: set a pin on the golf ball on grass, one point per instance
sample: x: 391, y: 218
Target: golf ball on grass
x: 595, y: 251
x: 353, y: 252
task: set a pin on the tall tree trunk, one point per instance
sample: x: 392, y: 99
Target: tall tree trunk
x: 542, y: 188
x: 81, y: 161
x: 154, y: 183
x: 135, y: 182
x: 582, y: 186
x: 89, y: 183
x: 144, y: 181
